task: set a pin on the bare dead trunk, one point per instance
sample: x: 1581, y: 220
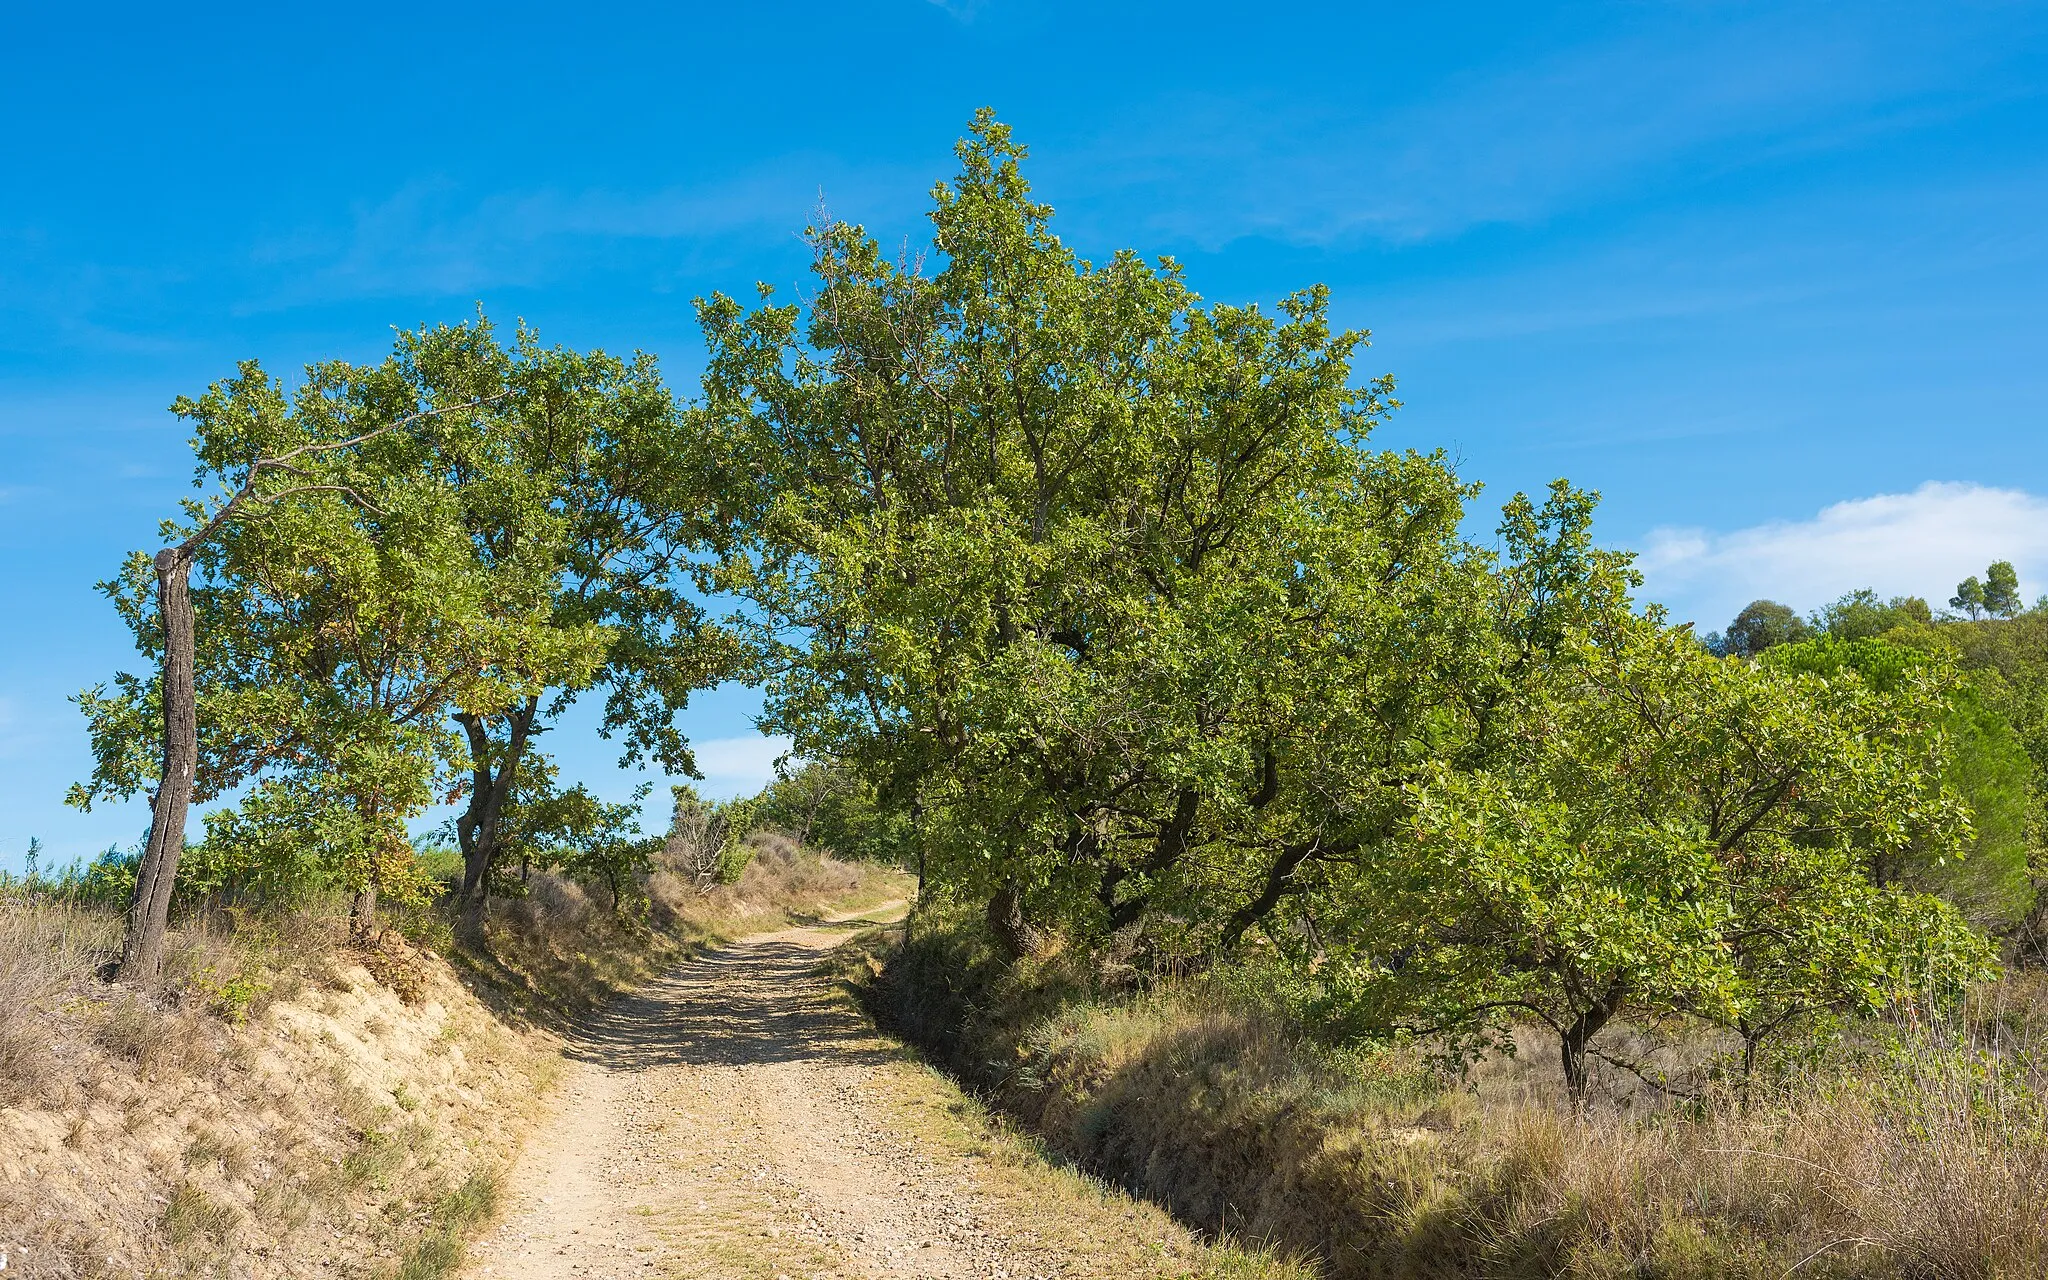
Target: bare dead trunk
x: 149, y: 911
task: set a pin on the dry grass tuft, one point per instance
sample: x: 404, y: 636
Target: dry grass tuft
x: 395, y: 965
x: 48, y: 955
x: 192, y: 1217
x: 441, y: 1247
x: 130, y: 1028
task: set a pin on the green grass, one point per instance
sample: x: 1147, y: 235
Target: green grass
x: 454, y: 1218
x: 192, y: 1217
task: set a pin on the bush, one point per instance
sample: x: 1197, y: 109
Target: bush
x: 707, y: 840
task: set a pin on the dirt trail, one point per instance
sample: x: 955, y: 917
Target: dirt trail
x: 734, y: 1119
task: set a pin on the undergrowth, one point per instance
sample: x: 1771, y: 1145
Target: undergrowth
x: 455, y: 1217
x: 1914, y: 1149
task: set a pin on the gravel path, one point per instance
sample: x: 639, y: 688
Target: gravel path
x: 733, y: 1119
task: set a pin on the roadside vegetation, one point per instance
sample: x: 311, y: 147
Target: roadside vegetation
x: 1903, y: 1148
x: 284, y: 1100
x: 1420, y: 902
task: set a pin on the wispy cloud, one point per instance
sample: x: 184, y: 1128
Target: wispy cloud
x: 1522, y: 143
x: 433, y: 237
x: 1919, y: 543
x: 739, y: 766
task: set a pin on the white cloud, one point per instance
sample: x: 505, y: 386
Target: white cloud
x: 738, y: 766
x: 1920, y: 543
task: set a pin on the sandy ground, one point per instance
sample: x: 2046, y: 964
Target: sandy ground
x: 735, y: 1119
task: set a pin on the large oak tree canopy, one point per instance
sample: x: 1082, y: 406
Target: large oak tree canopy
x: 430, y: 557
x: 1106, y: 591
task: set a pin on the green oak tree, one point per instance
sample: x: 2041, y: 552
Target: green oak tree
x: 584, y: 478
x: 1667, y: 835
x: 1098, y: 585
x: 461, y: 536
x: 296, y: 469
x: 1861, y: 615
x: 1982, y: 760
x: 1761, y: 625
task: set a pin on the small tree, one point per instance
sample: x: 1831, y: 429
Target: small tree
x: 275, y: 459
x: 587, y: 480
x: 1979, y: 758
x: 1861, y: 615
x: 823, y: 803
x: 550, y: 827
x: 1969, y: 597
x: 1761, y: 625
x: 705, y: 837
x: 1672, y: 836
x: 2002, y: 590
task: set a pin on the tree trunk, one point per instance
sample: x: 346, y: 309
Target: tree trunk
x: 149, y: 911
x: 477, y: 828
x: 362, y: 914
x: 1015, y: 934
x: 1574, y: 1039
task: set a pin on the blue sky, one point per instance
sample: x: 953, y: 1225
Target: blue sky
x: 1769, y: 276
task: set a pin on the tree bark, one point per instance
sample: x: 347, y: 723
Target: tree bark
x: 149, y: 910
x: 1572, y: 1041
x: 477, y: 829
x: 1279, y: 877
x: 1013, y: 932
x: 362, y: 914
x: 362, y: 911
